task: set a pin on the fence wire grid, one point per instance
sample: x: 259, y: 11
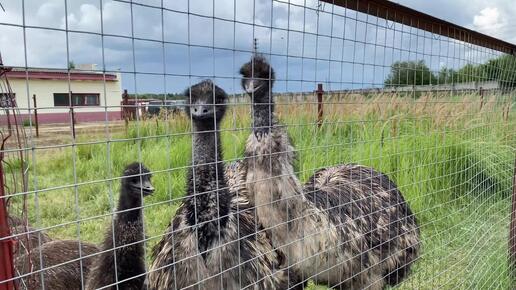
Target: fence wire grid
x: 253, y: 144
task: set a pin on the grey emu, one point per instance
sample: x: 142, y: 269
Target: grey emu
x: 213, y: 242
x: 349, y: 227
x: 128, y: 234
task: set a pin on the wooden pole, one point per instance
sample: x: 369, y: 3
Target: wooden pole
x: 36, y: 115
x: 320, y: 111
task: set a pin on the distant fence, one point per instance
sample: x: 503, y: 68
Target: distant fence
x: 448, y: 88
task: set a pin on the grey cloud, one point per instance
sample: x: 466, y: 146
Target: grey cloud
x: 332, y: 49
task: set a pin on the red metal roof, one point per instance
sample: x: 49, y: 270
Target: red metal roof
x: 60, y: 75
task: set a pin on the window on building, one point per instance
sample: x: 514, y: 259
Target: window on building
x: 78, y: 99
x: 61, y: 100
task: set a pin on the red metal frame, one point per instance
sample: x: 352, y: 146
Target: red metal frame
x: 6, y: 245
x: 6, y: 242
x: 398, y: 13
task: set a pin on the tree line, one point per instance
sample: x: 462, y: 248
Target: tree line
x: 502, y: 69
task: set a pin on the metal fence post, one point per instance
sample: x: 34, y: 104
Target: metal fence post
x: 320, y: 111
x: 512, y: 229
x: 36, y: 122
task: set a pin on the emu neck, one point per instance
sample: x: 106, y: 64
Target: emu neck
x: 207, y: 186
x: 263, y: 109
x: 206, y: 143
x: 129, y: 206
x: 271, y: 179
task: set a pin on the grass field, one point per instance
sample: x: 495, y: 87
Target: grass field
x: 452, y: 160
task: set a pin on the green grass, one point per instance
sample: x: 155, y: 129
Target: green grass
x: 452, y: 162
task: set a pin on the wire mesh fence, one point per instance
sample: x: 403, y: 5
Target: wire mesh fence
x: 253, y: 145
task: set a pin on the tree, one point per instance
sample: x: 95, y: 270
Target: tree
x: 502, y: 69
x: 405, y: 73
x: 71, y: 65
x: 469, y: 73
x: 446, y: 76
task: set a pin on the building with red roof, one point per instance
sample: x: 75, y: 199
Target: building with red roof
x: 92, y: 95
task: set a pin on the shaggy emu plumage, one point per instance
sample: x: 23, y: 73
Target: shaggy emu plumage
x: 128, y: 234
x: 67, y: 276
x: 348, y: 227
x: 213, y: 242
x: 28, y: 238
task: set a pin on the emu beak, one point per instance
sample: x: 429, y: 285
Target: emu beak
x: 201, y: 111
x: 146, y: 187
x: 250, y: 87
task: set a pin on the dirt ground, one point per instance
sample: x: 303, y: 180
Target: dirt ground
x: 59, y: 134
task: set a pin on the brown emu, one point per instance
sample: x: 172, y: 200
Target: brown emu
x: 62, y: 261
x: 122, y: 258
x: 349, y: 227
x: 213, y: 242
x: 28, y: 238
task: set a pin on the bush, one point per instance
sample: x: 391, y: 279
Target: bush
x: 27, y: 122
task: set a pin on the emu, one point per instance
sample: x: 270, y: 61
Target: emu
x: 62, y: 261
x: 28, y: 238
x: 123, y: 241
x: 213, y: 241
x: 349, y: 227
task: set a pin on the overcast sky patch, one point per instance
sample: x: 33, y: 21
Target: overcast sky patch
x: 165, y: 52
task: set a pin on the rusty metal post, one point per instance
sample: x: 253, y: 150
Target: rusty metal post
x: 73, y: 121
x: 320, y: 111
x: 36, y: 122
x: 506, y: 112
x: 72, y: 113
x: 6, y: 246
x: 125, y: 101
x: 512, y: 229
x: 481, y: 93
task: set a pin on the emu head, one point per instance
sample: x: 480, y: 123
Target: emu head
x: 137, y: 180
x: 206, y: 102
x: 257, y: 79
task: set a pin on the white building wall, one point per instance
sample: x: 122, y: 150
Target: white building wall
x: 45, y: 89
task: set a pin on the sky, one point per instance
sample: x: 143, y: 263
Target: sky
x: 306, y: 41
